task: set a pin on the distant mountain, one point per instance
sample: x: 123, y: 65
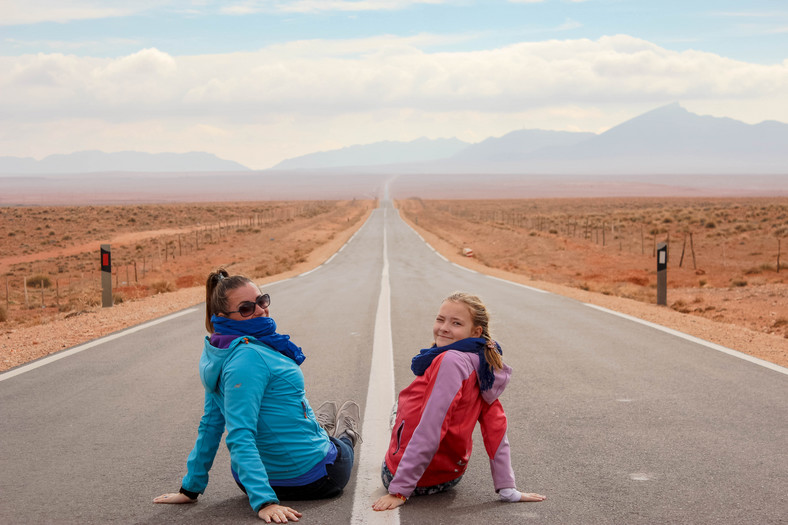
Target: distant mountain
x: 670, y: 139
x: 130, y: 161
x: 378, y: 153
x: 667, y: 140
x: 518, y: 145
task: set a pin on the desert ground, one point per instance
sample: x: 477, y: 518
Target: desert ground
x: 160, y: 257
x: 724, y: 257
x: 726, y: 262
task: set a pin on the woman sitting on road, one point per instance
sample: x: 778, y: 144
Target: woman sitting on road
x: 254, y: 387
x: 458, y: 383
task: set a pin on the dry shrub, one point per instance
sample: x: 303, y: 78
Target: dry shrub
x: 680, y: 306
x: 162, y: 287
x: 39, y: 281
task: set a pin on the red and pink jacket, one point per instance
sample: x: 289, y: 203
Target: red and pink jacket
x: 431, y: 441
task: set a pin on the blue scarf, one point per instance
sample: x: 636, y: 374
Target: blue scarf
x: 472, y: 345
x: 264, y: 330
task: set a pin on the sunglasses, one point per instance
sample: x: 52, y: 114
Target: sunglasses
x: 247, y: 308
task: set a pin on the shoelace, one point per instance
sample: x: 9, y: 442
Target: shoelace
x: 350, y: 422
x: 325, y: 421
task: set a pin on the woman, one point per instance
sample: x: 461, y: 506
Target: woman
x: 279, y: 448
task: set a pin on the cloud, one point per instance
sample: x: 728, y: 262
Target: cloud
x: 320, y: 6
x: 17, y: 12
x: 65, y: 46
x: 317, y: 92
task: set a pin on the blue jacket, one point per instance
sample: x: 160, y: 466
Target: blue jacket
x: 272, y: 434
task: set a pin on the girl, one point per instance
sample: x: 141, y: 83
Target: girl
x: 459, y: 380
x: 254, y: 387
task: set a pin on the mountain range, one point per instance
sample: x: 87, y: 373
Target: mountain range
x: 667, y: 140
x: 124, y: 161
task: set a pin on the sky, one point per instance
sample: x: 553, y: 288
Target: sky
x: 260, y: 81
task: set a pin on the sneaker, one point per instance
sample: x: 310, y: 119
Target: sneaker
x: 348, y: 421
x: 326, y: 415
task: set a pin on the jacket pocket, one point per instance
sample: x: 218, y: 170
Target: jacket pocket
x: 399, y: 437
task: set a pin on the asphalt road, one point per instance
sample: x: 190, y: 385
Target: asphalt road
x: 615, y: 421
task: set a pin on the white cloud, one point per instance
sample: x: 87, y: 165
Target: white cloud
x: 67, y: 46
x: 290, y: 99
x: 321, y: 6
x: 15, y: 12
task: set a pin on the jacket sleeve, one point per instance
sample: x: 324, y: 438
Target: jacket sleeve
x: 245, y: 379
x: 209, y: 435
x: 493, y: 426
x: 428, y: 434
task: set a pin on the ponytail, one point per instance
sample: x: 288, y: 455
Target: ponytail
x: 216, y: 287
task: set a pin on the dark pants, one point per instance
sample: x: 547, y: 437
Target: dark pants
x: 387, y: 476
x: 329, y: 486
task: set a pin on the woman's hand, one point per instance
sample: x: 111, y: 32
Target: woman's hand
x: 532, y: 496
x: 278, y: 514
x: 387, y: 502
x: 174, y: 497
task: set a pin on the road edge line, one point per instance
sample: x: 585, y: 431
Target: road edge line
x: 697, y: 340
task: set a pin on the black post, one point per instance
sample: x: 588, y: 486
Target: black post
x: 662, y: 274
x: 106, y: 276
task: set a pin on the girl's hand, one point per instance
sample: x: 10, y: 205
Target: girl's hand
x: 532, y: 496
x: 174, y: 497
x: 278, y: 514
x: 387, y: 502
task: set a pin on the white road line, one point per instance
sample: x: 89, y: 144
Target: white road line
x: 518, y: 284
x: 468, y: 269
x: 77, y: 349
x: 709, y: 344
x: 380, y: 398
x: 462, y: 267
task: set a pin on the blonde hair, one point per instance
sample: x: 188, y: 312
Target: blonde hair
x: 479, y: 317
x: 216, y: 287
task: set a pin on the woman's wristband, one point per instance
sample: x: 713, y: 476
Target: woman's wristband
x: 189, y: 494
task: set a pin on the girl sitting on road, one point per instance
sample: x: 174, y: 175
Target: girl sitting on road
x: 255, y: 388
x: 458, y: 382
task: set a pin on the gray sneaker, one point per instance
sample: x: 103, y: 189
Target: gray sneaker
x: 348, y: 422
x: 326, y: 415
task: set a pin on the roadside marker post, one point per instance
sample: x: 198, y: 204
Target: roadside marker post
x: 662, y: 274
x: 106, y: 276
